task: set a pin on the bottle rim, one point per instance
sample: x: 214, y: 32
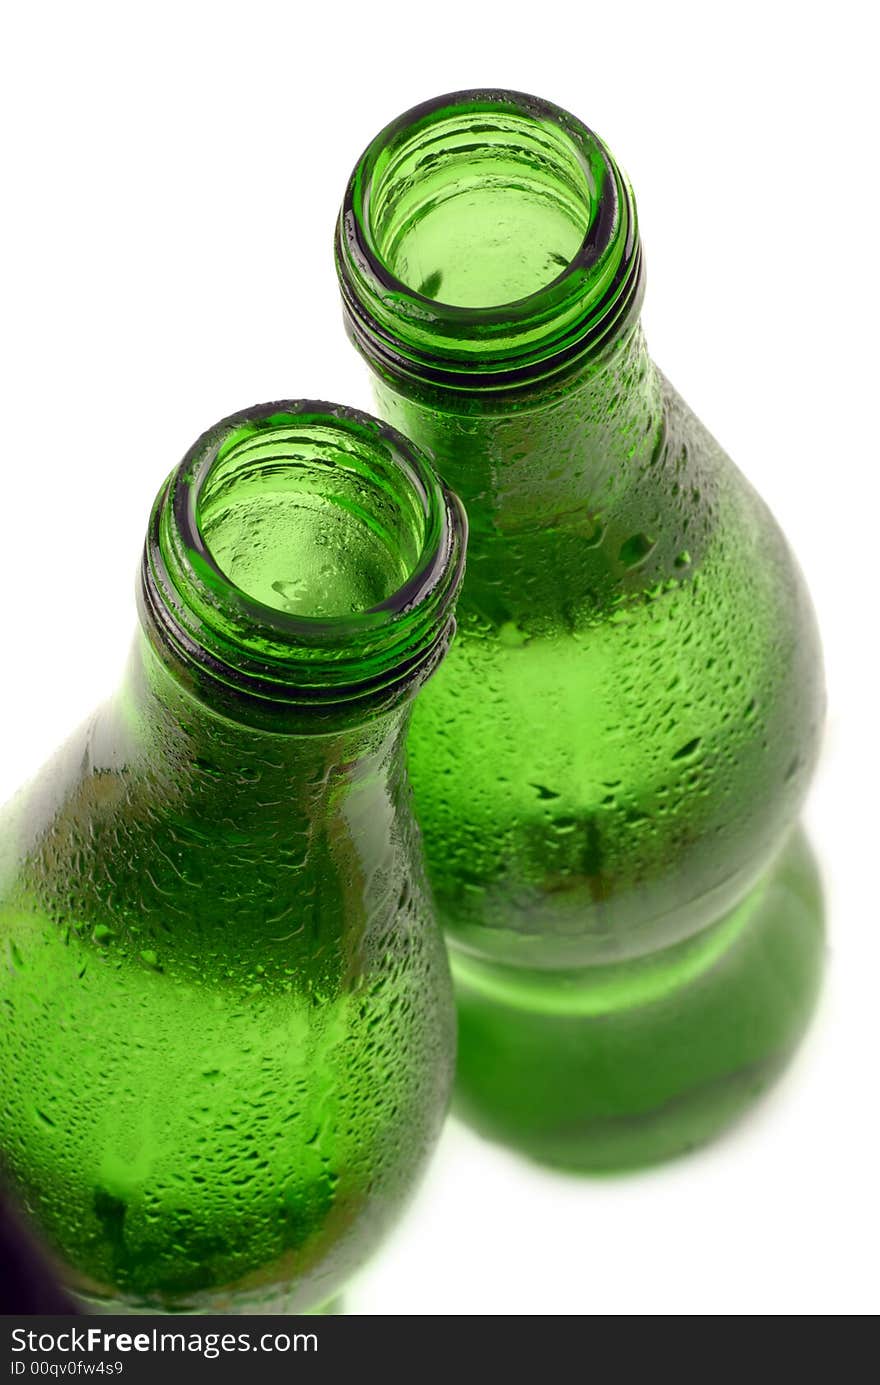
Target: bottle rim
x: 231, y: 645
x: 407, y: 335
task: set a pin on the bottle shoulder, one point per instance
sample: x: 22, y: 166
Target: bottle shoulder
x: 151, y: 840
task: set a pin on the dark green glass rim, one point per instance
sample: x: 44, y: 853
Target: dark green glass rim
x: 231, y: 646
x: 508, y: 345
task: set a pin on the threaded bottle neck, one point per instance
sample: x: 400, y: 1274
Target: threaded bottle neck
x: 487, y: 241
x: 302, y: 564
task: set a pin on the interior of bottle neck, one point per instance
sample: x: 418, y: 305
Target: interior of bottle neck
x: 482, y: 210
x: 310, y: 519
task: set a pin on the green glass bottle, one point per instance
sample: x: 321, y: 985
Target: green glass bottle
x: 609, y: 767
x: 226, y: 1019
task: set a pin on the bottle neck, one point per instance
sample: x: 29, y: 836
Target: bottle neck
x: 300, y: 568
x: 555, y: 456
x: 230, y: 774
x: 168, y: 821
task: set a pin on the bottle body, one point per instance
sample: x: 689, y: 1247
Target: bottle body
x: 606, y: 772
x: 227, y: 1029
x: 609, y: 768
x: 634, y: 684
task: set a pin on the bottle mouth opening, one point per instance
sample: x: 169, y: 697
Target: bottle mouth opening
x: 486, y: 231
x: 309, y: 517
x: 303, y: 552
x: 479, y: 209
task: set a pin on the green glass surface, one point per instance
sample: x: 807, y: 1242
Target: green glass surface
x: 613, y: 1068
x: 612, y: 759
x: 226, y: 1022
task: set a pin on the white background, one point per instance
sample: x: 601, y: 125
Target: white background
x: 170, y: 180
